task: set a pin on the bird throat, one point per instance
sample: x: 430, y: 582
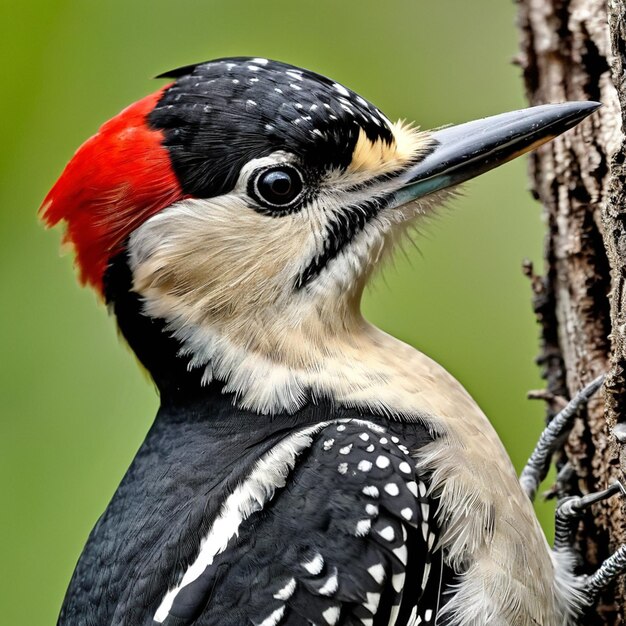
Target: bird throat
x: 273, y: 364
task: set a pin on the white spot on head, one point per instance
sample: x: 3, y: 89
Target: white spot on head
x: 370, y: 448
x: 328, y: 444
x: 230, y: 66
x: 235, y: 81
x: 341, y: 89
x: 387, y: 533
x: 342, y: 468
x: 364, y: 466
x: 296, y: 87
x: 345, y: 449
x: 363, y: 527
x: 341, y: 428
x: 315, y: 565
x: 382, y: 461
x: 253, y: 80
x: 253, y: 68
x: 332, y: 117
x: 313, y: 107
x: 260, y: 61
x: 298, y: 105
x: 294, y: 74
x: 364, y: 436
x: 392, y: 489
x: 317, y: 132
x: 251, y: 103
x: 384, y: 440
x: 362, y: 101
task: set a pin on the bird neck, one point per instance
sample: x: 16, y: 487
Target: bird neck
x: 276, y: 362
x: 263, y: 358
x: 148, y: 337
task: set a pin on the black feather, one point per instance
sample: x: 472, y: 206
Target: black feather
x: 219, y: 115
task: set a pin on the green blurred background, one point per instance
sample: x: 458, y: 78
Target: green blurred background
x: 74, y: 406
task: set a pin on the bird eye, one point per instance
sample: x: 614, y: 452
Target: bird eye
x: 278, y: 187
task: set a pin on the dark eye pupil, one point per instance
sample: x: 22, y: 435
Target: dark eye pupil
x: 279, y: 186
x: 279, y: 183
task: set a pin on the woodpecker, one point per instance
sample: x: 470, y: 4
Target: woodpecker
x: 303, y: 467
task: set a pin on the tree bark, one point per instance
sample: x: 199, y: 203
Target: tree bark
x: 576, y: 50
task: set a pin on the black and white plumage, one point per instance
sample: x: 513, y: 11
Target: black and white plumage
x: 312, y: 521
x: 304, y: 467
x: 327, y: 540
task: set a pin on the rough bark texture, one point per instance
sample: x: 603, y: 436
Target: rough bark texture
x: 576, y: 50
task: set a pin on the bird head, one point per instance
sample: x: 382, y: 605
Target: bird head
x: 249, y: 200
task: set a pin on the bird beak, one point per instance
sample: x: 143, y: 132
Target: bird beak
x: 468, y: 150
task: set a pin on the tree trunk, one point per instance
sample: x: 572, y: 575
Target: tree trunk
x: 576, y: 50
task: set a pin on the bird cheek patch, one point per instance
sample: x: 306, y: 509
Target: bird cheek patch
x: 216, y: 258
x: 383, y: 157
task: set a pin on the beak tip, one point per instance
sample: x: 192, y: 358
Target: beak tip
x: 589, y: 106
x: 562, y: 116
x: 581, y: 109
x: 467, y: 150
